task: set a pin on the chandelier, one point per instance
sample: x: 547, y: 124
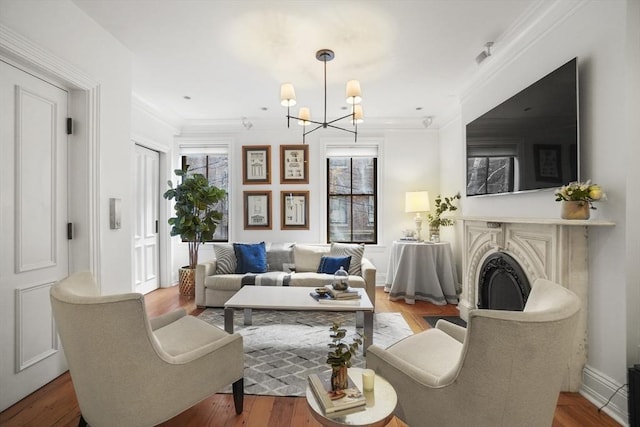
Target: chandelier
x: 354, y: 97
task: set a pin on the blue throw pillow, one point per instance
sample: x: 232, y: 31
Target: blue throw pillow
x: 251, y: 257
x: 331, y: 264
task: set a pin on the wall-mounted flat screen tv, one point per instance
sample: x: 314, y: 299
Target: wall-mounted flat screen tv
x: 528, y: 142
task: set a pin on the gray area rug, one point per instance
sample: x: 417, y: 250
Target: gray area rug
x: 283, y: 347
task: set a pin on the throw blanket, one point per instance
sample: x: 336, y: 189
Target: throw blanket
x: 272, y: 278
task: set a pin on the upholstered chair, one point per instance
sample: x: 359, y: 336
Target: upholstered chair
x: 504, y: 369
x: 128, y: 370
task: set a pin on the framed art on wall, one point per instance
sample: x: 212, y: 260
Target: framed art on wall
x: 294, y: 164
x: 257, y: 210
x: 294, y: 210
x: 256, y: 164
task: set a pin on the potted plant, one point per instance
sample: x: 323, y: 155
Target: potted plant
x: 339, y: 356
x: 195, y: 219
x: 436, y: 220
x: 577, y: 198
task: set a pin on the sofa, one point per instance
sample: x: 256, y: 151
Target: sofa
x: 279, y: 264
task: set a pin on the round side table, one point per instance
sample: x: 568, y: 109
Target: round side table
x: 377, y: 412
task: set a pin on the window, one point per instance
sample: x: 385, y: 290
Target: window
x: 352, y: 199
x: 215, y: 167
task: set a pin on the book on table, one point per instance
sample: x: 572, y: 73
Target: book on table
x: 331, y: 401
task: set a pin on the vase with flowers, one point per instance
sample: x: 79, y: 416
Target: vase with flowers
x: 339, y: 356
x: 577, y: 199
x: 435, y: 218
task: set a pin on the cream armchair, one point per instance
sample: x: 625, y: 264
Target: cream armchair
x: 504, y: 369
x: 128, y: 370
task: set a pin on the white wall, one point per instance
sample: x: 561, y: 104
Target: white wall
x: 55, y: 26
x: 408, y: 161
x: 594, y: 32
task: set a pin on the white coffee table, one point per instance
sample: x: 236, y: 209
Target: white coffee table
x: 293, y: 298
x: 381, y: 402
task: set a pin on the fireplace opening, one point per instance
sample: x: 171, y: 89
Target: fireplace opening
x: 503, y: 284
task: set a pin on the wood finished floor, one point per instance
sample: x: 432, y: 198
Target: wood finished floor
x: 55, y: 404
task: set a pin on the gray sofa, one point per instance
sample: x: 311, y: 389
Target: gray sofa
x: 288, y: 264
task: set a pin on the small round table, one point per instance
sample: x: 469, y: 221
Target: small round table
x: 377, y: 412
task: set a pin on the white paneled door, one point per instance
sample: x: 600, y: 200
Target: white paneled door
x: 33, y: 221
x: 146, y: 228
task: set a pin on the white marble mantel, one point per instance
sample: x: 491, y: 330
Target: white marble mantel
x: 549, y: 248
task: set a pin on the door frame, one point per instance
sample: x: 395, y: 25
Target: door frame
x: 83, y: 160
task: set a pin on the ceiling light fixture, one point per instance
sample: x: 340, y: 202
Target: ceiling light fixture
x: 354, y: 97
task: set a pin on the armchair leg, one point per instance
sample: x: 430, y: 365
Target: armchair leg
x: 82, y: 422
x: 238, y: 395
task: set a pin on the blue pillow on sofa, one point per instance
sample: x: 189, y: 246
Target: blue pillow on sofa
x: 331, y: 264
x: 252, y: 257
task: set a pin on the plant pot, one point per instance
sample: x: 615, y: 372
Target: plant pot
x: 339, y: 378
x: 187, y: 281
x: 574, y: 209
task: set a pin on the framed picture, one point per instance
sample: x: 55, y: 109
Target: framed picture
x: 294, y: 210
x: 294, y: 164
x: 256, y: 164
x: 257, y: 210
x: 548, y: 163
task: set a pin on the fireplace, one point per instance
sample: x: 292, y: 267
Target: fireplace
x: 502, y: 283
x: 503, y: 257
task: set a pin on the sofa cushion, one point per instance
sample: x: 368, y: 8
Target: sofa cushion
x: 251, y: 257
x: 331, y: 264
x: 307, y: 257
x: 225, y: 258
x: 355, y: 250
x: 224, y: 282
x: 280, y: 257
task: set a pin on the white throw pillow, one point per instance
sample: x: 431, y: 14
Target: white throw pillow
x: 307, y: 257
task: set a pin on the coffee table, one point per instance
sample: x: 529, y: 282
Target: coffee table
x: 294, y: 298
x: 381, y: 402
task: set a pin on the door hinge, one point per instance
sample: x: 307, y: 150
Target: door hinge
x: 69, y: 126
x: 69, y: 231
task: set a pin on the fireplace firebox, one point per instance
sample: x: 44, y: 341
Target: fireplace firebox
x: 503, y: 285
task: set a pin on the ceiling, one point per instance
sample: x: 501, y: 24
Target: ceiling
x: 412, y: 57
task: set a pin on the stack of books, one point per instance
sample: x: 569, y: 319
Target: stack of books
x: 332, y: 402
x: 349, y: 293
x: 332, y: 296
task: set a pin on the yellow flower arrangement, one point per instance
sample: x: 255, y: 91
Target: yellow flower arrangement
x: 580, y: 192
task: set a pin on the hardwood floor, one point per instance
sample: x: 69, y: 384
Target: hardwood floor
x: 55, y: 404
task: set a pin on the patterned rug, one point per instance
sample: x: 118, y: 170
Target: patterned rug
x: 283, y: 347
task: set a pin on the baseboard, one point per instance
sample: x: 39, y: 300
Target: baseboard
x: 598, y: 388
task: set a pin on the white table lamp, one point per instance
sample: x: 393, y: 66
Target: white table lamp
x: 418, y: 202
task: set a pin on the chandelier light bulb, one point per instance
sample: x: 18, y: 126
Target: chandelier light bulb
x: 287, y: 95
x: 354, y: 94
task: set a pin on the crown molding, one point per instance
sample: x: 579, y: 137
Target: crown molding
x: 173, y: 122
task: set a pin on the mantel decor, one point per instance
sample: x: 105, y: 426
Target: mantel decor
x: 577, y: 198
x: 353, y: 95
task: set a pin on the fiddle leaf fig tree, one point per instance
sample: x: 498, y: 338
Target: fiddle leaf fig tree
x: 195, y: 219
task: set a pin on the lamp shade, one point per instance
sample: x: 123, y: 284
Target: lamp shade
x: 287, y: 95
x: 354, y: 94
x: 304, y: 114
x: 416, y: 201
x: 357, y: 114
